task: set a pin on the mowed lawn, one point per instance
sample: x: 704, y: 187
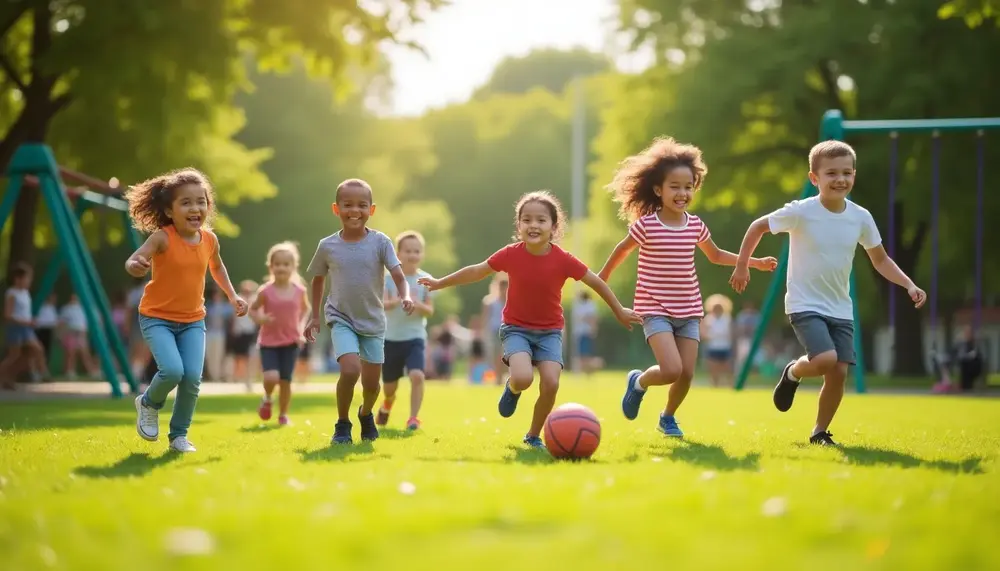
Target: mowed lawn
x: 914, y: 486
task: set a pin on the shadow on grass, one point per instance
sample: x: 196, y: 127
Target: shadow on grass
x: 259, y: 428
x: 359, y: 452
x: 135, y: 464
x: 710, y: 456
x: 869, y: 456
x: 395, y: 433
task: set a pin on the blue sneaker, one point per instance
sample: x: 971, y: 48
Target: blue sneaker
x: 632, y: 398
x: 342, y: 432
x: 668, y: 426
x: 534, y: 441
x: 508, y: 401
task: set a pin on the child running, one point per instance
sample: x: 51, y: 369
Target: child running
x: 531, y: 333
x: 406, y: 334
x: 280, y: 308
x: 19, y: 331
x: 823, y: 233
x: 655, y: 189
x: 355, y: 260
x: 175, y: 209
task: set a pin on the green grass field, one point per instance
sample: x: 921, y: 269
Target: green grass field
x: 914, y: 486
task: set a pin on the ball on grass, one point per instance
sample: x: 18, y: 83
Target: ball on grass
x: 572, y: 432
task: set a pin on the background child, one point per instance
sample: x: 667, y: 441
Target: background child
x: 531, y: 334
x: 23, y: 348
x: 243, y: 340
x: 218, y: 320
x: 406, y: 335
x: 655, y: 189
x: 492, y: 319
x: 823, y: 233
x: 355, y: 260
x: 717, y: 331
x: 280, y: 307
x: 45, y: 324
x: 175, y: 209
x: 73, y: 336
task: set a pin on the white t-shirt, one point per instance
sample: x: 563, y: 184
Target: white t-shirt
x: 719, y: 332
x: 73, y: 317
x: 583, y: 313
x: 22, y: 304
x: 47, y: 317
x: 822, y: 246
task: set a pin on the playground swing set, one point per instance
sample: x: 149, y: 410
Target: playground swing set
x: 835, y: 127
x: 34, y: 164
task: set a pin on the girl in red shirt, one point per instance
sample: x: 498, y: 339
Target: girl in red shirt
x: 531, y: 332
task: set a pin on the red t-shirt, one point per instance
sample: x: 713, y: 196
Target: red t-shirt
x: 534, y: 300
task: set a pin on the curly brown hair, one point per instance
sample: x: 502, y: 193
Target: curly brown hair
x: 638, y: 176
x: 555, y: 211
x: 149, y: 200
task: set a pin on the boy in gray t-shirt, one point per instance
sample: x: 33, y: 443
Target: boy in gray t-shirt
x: 355, y: 260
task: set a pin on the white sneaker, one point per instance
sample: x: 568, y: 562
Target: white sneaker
x: 182, y: 444
x: 147, y: 421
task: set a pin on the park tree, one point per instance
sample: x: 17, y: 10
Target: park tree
x: 550, y: 69
x: 132, y: 88
x: 749, y: 81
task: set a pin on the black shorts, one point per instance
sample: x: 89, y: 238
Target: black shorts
x: 402, y: 357
x: 240, y: 344
x: 281, y: 359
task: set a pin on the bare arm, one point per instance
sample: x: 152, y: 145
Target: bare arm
x: 220, y: 274
x: 390, y: 301
x: 8, y: 308
x: 466, y: 275
x: 424, y: 307
x: 306, y: 309
x: 256, y: 311
x: 888, y: 269
x: 138, y: 264
x: 316, y: 294
x: 618, y: 255
x: 402, y: 286
x: 751, y: 239
x: 601, y: 288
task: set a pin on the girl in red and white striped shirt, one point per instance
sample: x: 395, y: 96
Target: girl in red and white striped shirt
x: 655, y: 189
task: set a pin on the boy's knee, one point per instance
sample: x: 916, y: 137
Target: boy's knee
x: 350, y: 367
x: 520, y: 380
x: 417, y: 378
x: 826, y: 362
x: 271, y: 376
x: 686, y: 376
x: 838, y: 373
x: 548, y: 384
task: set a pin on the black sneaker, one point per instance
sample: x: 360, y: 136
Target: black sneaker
x: 784, y: 392
x: 368, y: 429
x: 342, y: 432
x: 822, y: 438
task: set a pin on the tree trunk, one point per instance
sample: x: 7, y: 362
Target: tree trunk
x: 907, y: 350
x: 31, y: 127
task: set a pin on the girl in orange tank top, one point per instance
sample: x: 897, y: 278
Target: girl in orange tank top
x: 175, y: 209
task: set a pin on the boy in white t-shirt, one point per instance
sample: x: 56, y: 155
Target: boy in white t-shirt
x: 823, y: 233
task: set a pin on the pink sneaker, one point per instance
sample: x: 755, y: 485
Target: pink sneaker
x: 283, y: 420
x: 264, y: 410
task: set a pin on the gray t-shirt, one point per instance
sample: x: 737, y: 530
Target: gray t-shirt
x: 355, y: 272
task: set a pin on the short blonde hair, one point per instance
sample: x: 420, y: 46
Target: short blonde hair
x: 830, y: 150
x: 407, y: 235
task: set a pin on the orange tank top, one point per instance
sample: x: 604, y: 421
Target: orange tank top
x: 176, y: 291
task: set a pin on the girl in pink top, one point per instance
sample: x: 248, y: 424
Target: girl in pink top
x: 280, y: 308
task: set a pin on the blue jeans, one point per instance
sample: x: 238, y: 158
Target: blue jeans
x: 179, y: 352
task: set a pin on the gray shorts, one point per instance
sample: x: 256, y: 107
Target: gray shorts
x: 654, y: 324
x: 819, y: 334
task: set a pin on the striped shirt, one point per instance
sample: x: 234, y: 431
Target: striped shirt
x: 667, y: 283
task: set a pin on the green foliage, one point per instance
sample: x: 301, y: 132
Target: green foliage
x: 974, y: 12
x: 551, y: 69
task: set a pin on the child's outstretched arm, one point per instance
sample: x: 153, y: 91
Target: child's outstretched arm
x: 138, y: 264
x: 741, y: 275
x: 885, y: 266
x: 618, y: 255
x: 721, y: 257
x: 624, y: 315
x: 257, y: 312
x: 221, y: 276
x: 466, y: 275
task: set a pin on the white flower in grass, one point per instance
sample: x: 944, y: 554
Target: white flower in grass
x: 774, y: 507
x: 188, y: 542
x: 407, y: 488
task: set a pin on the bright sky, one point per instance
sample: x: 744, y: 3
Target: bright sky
x: 465, y: 40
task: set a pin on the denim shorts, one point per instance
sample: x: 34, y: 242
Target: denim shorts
x: 541, y: 344
x: 403, y: 357
x: 689, y: 328
x: 820, y: 334
x: 17, y: 334
x: 370, y: 348
x: 281, y: 359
